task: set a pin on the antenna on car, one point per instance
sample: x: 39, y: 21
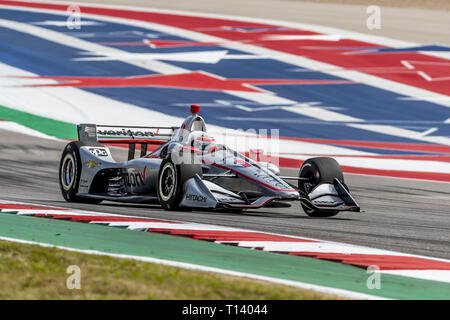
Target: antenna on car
x: 195, y: 108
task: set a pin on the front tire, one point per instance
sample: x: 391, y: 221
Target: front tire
x: 316, y: 171
x: 171, y: 179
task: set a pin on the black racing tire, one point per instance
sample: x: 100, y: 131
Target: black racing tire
x: 171, y: 179
x: 318, y: 170
x: 70, y: 172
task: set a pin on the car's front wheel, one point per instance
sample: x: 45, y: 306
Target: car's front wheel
x: 169, y: 193
x: 315, y: 171
x: 171, y: 179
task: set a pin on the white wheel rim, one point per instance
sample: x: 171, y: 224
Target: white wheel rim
x: 167, y: 181
x: 68, y: 172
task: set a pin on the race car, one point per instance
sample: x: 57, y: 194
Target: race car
x: 188, y: 169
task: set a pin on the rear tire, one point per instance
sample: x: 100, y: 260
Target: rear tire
x: 171, y: 179
x: 318, y: 170
x: 69, y: 174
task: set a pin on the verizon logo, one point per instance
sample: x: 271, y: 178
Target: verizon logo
x: 126, y: 133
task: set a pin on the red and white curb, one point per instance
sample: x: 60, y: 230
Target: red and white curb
x: 390, y: 262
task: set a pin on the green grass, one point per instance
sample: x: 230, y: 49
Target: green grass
x: 36, y: 272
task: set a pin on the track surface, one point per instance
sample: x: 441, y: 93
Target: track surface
x: 403, y: 215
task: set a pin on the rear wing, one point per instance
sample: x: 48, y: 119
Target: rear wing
x: 131, y: 135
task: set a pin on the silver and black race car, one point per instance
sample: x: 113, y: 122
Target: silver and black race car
x: 189, y: 169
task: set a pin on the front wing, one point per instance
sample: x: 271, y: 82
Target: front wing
x: 199, y: 193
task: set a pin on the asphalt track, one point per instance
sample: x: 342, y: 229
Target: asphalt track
x: 409, y: 216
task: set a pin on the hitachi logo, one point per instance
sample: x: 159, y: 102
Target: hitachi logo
x: 195, y: 197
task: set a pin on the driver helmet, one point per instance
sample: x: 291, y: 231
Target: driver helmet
x: 203, y: 142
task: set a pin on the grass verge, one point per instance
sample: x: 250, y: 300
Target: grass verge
x: 34, y: 272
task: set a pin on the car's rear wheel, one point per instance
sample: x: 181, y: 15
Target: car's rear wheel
x: 69, y: 174
x: 315, y: 171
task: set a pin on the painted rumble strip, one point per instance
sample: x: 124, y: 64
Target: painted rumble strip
x: 307, y: 286
x: 379, y: 106
x: 388, y: 262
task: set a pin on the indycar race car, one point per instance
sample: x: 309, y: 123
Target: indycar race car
x: 189, y: 169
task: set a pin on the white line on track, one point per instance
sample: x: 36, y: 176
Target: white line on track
x: 434, y: 275
x: 69, y: 104
x: 370, y: 38
x: 165, y: 68
x: 310, y: 245
x: 80, y: 44
x: 327, y: 246
x: 184, y: 265
x: 324, y: 114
